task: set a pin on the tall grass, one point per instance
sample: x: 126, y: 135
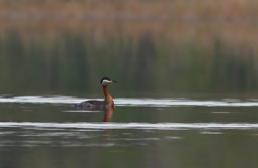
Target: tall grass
x: 189, y: 45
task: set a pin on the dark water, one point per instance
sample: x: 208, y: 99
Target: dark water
x: 46, y: 131
x: 187, y: 92
x: 189, y: 106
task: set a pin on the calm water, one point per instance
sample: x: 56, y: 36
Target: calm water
x: 46, y: 131
x: 187, y: 91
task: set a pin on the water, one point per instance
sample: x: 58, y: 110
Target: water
x: 186, y: 94
x: 46, y: 131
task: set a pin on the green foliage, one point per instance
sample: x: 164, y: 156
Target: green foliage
x: 72, y: 63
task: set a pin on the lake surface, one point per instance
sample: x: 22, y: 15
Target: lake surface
x: 47, y: 131
x: 187, y: 91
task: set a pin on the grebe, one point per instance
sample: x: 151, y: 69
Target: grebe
x: 95, y: 105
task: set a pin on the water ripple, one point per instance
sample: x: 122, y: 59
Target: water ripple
x: 133, y: 102
x: 131, y: 126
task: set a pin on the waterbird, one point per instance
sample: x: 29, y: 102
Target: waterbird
x: 107, y: 105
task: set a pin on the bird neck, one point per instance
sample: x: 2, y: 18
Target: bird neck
x: 107, y: 95
x: 109, y: 105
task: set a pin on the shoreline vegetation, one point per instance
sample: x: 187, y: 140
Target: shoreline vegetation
x: 190, y: 45
x: 68, y: 12
x: 234, y: 22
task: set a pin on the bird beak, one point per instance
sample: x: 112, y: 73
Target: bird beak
x: 114, y: 81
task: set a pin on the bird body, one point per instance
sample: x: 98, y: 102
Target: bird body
x: 92, y: 105
x: 107, y: 105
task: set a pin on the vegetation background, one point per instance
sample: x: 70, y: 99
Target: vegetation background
x: 152, y: 47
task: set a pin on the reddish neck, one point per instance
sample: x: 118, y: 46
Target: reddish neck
x: 107, y: 95
x: 109, y: 105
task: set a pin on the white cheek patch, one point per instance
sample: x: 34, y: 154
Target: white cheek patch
x: 105, y: 82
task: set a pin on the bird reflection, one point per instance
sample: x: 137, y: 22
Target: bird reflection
x: 108, y: 113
